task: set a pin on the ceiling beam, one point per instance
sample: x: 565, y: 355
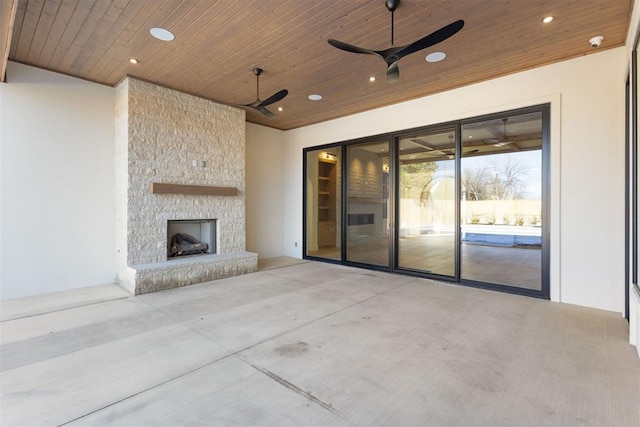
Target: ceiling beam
x: 7, y: 17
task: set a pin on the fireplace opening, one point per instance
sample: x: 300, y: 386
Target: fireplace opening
x: 191, y: 237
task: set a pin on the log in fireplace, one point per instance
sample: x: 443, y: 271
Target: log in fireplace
x: 191, y: 237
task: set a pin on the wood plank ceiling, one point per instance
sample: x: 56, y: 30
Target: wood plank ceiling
x: 218, y: 42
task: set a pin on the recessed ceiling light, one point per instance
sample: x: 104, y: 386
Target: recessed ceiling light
x: 372, y: 79
x: 133, y: 60
x: 162, y: 34
x: 436, y: 57
x: 547, y: 19
x: 280, y: 109
x: 315, y: 97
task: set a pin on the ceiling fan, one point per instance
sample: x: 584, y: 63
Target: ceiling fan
x: 448, y: 152
x: 452, y: 153
x: 259, y: 105
x: 502, y: 141
x: 393, y: 54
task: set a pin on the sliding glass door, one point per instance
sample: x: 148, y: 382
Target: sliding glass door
x: 323, y: 203
x: 427, y: 202
x: 367, y: 200
x: 465, y: 202
x: 501, y: 201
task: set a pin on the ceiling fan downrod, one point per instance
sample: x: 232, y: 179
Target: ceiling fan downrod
x: 257, y: 71
x: 392, y: 5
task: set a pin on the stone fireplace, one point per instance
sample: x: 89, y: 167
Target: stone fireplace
x: 179, y: 160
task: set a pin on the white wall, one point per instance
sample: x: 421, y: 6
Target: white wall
x: 587, y: 156
x: 57, y: 183
x: 634, y: 296
x: 264, y: 196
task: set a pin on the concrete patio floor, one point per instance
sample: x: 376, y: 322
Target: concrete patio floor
x: 313, y: 344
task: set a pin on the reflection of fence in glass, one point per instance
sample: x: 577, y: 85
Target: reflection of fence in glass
x: 502, y: 212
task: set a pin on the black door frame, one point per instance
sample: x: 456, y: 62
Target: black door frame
x: 392, y: 138
x: 453, y: 126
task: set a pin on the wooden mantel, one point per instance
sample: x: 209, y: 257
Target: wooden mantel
x: 160, y: 188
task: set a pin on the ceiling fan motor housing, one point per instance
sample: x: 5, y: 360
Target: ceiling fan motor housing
x: 392, y: 5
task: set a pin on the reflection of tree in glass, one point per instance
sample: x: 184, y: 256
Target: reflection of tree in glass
x: 414, y: 177
x: 475, y: 183
x: 502, y: 182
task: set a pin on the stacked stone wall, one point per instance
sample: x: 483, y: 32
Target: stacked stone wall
x: 165, y: 136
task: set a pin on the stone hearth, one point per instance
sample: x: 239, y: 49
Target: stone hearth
x: 165, y: 136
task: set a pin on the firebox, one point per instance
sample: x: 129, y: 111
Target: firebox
x: 191, y: 237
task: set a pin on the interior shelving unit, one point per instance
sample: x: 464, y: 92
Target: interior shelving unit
x: 326, y: 202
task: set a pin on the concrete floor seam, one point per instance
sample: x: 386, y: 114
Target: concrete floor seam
x: 160, y: 384
x: 63, y: 309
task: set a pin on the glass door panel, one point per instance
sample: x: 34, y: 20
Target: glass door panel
x: 427, y: 202
x: 501, y: 201
x: 367, y: 227
x: 324, y: 203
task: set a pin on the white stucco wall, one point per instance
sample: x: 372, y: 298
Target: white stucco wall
x: 634, y: 296
x: 56, y: 185
x: 264, y: 182
x: 587, y: 156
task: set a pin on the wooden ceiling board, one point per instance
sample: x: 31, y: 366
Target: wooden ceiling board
x: 218, y: 42
x: 17, y: 24
x: 30, y: 20
x: 86, y: 38
x: 224, y: 58
x: 280, y: 70
x: 133, y: 42
x: 193, y: 42
x: 107, y: 35
x: 72, y: 26
x: 45, y: 23
x: 100, y: 35
x: 8, y: 9
x: 119, y: 37
x: 63, y: 14
x: 91, y: 47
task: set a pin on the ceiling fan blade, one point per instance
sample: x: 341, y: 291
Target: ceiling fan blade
x: 265, y: 112
x: 273, y: 98
x: 502, y: 143
x: 254, y: 104
x: 351, y: 48
x: 260, y: 108
x: 433, y: 38
x: 393, y: 73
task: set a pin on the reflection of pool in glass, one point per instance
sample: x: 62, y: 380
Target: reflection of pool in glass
x: 502, y: 239
x: 502, y: 235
